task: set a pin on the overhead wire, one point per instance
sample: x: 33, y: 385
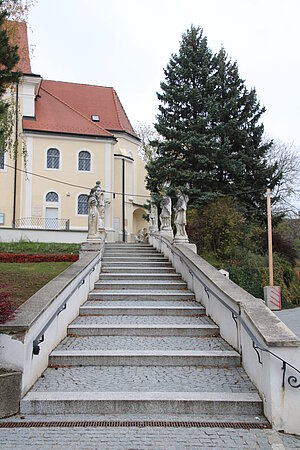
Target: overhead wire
x: 120, y: 193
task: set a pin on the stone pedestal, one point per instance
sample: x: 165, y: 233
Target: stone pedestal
x: 181, y: 240
x: 10, y: 392
x: 153, y: 229
x: 167, y: 232
x: 90, y: 246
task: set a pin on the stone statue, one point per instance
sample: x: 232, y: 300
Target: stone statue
x: 100, y: 204
x: 180, y: 217
x: 93, y: 215
x: 153, y: 217
x: 166, y: 213
x: 142, y: 236
x: 96, y: 213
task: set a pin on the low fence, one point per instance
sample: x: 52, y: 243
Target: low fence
x: 43, y: 223
x: 270, y: 351
x: 41, y: 322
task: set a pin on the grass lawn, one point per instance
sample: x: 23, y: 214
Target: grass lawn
x: 21, y: 281
x: 32, y: 248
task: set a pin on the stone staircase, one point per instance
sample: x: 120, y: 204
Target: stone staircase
x: 142, y: 346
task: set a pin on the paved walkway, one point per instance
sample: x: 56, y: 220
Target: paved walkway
x: 291, y: 317
x: 113, y: 438
x: 78, y: 378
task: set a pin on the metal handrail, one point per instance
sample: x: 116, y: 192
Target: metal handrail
x: 292, y: 380
x: 41, y: 336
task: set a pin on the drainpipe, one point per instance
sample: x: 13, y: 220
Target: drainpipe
x: 123, y: 198
x: 16, y: 155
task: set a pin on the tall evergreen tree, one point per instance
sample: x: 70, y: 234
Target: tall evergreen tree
x: 242, y: 168
x: 211, y: 127
x: 183, y: 120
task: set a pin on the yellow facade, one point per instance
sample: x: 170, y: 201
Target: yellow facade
x: 48, y: 197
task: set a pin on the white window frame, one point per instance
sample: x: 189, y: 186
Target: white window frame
x: 76, y: 205
x: 60, y: 158
x: 47, y: 201
x: 92, y: 161
x: 53, y: 205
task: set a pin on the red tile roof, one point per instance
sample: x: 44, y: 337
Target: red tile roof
x: 17, y: 32
x: 68, y: 107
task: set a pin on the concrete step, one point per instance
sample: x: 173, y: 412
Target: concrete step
x: 144, y: 343
x: 143, y: 269
x: 139, y: 276
x: 135, y: 258
x: 126, y: 246
x: 110, y: 358
x: 98, y: 294
x: 142, y: 330
x: 144, y: 265
x: 140, y: 285
x: 97, y: 309
x: 143, y: 320
x: 133, y: 255
x: 140, y: 402
x: 131, y: 251
x: 146, y: 303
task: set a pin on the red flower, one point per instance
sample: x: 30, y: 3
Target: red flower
x: 24, y: 258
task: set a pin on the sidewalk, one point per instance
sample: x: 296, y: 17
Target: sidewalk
x: 135, y: 438
x: 147, y: 438
x: 291, y: 317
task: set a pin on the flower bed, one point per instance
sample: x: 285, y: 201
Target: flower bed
x: 25, y: 258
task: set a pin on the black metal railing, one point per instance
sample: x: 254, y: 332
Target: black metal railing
x: 42, y: 223
x: 236, y: 316
x: 63, y: 306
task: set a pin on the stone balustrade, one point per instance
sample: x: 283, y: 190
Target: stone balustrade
x: 269, y: 349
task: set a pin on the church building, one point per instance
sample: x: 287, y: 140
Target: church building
x: 72, y: 135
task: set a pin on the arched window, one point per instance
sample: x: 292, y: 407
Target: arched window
x: 51, y: 197
x: 82, y: 204
x: 52, y: 158
x: 84, y: 161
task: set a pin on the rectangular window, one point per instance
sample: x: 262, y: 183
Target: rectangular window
x: 2, y: 215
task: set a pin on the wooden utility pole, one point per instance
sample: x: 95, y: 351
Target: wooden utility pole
x: 270, y: 236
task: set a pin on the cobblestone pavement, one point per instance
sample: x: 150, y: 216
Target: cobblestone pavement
x: 145, y: 438
x: 143, y: 342
x: 144, y: 378
x: 142, y: 320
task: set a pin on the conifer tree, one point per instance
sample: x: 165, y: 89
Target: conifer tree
x: 183, y: 120
x: 242, y: 166
x: 210, y: 124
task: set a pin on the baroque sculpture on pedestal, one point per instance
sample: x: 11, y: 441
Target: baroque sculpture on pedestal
x: 153, y: 217
x: 180, y: 218
x: 96, y: 214
x: 166, y: 213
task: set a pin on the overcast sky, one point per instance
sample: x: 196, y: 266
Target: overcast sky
x: 127, y: 43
